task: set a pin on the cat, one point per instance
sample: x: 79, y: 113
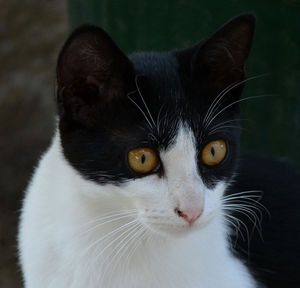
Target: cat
x: 132, y: 191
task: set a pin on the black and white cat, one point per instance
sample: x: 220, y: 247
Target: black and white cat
x: 133, y: 190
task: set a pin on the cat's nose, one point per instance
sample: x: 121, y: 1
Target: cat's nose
x: 189, y: 216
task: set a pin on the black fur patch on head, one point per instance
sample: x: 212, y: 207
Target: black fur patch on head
x: 110, y: 104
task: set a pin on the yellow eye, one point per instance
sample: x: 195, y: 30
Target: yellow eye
x: 214, y: 152
x: 142, y: 160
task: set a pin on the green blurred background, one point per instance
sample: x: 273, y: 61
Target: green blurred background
x: 272, y: 127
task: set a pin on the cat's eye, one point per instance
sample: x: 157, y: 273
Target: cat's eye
x: 143, y: 160
x: 214, y: 153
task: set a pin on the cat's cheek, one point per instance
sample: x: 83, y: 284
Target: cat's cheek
x: 213, y: 203
x: 142, y: 187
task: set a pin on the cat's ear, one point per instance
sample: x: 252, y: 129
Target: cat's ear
x: 221, y: 58
x: 92, y: 72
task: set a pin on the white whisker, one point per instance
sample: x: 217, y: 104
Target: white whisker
x: 243, y: 225
x: 233, y: 103
x: 140, y: 110
x: 223, y: 127
x: 255, y: 220
x: 122, y: 250
x: 246, y: 203
x: 244, y: 192
x: 106, y: 236
x: 226, y: 122
x: 95, y: 227
x: 132, y: 231
x: 236, y: 226
x: 143, y: 232
x: 219, y: 97
x: 138, y: 89
x: 108, y: 215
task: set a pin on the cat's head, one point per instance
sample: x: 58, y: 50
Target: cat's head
x: 160, y: 129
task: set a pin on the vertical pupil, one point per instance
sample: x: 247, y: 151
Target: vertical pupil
x: 143, y: 159
x: 212, y: 151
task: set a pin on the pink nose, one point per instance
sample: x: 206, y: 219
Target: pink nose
x: 189, y: 216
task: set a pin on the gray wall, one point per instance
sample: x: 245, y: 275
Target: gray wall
x: 31, y: 33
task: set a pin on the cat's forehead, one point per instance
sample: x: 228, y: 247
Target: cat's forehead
x: 164, y: 89
x: 154, y: 63
x: 168, y: 94
x: 163, y: 79
x: 157, y: 73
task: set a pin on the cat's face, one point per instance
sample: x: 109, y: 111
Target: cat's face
x: 160, y: 129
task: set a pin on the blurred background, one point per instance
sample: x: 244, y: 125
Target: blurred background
x: 32, y: 32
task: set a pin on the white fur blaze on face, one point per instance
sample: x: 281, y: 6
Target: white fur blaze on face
x: 181, y: 199
x: 184, y: 183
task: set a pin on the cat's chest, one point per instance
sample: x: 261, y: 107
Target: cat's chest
x: 159, y: 268
x: 165, y: 279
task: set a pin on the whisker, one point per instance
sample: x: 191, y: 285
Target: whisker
x: 223, y: 127
x: 236, y: 226
x: 138, y: 89
x: 106, y: 236
x: 103, y: 223
x: 224, y: 92
x: 111, y: 233
x: 140, y: 110
x: 228, y: 121
x: 244, y: 192
x: 235, y: 102
x: 158, y: 120
x: 243, y: 225
x: 247, y: 203
x: 132, y: 231
x: 233, y: 205
x: 244, y: 195
x: 243, y: 210
x: 246, y: 199
x: 109, y: 215
x: 126, y: 246
x: 256, y: 221
x: 143, y: 232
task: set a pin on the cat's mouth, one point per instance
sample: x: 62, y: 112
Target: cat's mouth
x: 171, y: 226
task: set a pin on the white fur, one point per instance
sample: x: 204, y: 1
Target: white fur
x: 62, y: 245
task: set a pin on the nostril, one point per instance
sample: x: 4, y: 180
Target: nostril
x: 189, y: 216
x: 179, y: 213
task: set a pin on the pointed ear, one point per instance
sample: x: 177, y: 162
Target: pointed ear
x: 91, y: 73
x: 222, y: 57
